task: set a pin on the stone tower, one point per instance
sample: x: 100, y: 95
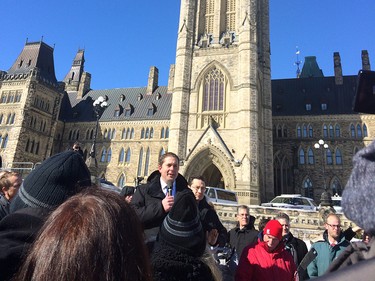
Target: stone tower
x: 77, y: 80
x: 221, y: 108
x: 31, y: 98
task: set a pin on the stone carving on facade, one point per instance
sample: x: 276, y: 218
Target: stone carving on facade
x: 205, y: 40
x: 227, y: 39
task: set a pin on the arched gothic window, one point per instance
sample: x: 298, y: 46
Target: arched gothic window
x: 325, y: 131
x: 162, y: 152
x: 352, y: 131
x: 128, y: 155
x: 308, y: 188
x: 310, y: 155
x: 121, y: 181
x: 301, y: 158
x: 310, y: 131
x: 336, y: 187
x: 121, y: 156
x: 299, y: 134
x: 166, y: 132
x: 365, y: 131
x: 338, y: 157
x: 213, y: 90
x: 331, y: 131
x: 337, y: 129
x: 140, y: 162
x: 103, y: 156
x: 359, y: 131
x: 147, y: 162
x: 329, y: 157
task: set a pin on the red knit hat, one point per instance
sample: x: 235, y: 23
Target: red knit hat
x: 274, y: 228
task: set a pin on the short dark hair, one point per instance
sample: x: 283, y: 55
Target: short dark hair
x: 262, y: 223
x: 168, y: 154
x: 196, y: 178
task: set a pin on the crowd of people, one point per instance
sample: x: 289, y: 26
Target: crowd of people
x: 57, y: 225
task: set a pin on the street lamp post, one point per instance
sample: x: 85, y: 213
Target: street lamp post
x: 100, y: 104
x: 322, y: 145
x: 325, y: 198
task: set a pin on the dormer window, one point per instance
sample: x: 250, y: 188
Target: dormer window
x: 129, y: 110
x: 140, y: 97
x: 308, y: 106
x: 151, y: 110
x: 118, y: 111
x: 324, y: 106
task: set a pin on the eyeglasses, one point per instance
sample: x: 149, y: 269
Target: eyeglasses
x: 334, y: 225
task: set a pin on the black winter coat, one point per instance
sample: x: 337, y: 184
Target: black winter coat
x: 210, y: 220
x: 147, y: 204
x: 298, y: 249
x: 240, y: 238
x: 17, y: 232
x: 170, y: 264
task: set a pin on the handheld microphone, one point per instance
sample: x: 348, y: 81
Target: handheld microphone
x: 169, y: 190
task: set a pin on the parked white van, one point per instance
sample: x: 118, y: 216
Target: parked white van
x: 221, y: 196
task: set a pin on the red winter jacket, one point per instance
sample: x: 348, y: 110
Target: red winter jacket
x: 257, y: 264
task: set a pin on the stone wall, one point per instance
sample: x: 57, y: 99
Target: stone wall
x: 306, y: 225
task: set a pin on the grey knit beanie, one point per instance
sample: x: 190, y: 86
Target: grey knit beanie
x: 52, y: 182
x: 182, y: 228
x: 359, y: 194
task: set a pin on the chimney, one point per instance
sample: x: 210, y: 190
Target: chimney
x: 337, y: 68
x: 365, y: 60
x: 171, y: 78
x: 153, y: 78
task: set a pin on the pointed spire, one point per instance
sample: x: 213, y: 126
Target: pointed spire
x: 77, y: 80
x: 298, y: 63
x: 73, y: 77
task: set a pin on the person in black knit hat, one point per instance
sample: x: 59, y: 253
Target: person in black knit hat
x: 43, y: 190
x: 181, y: 243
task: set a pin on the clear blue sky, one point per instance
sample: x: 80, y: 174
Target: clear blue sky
x: 123, y: 38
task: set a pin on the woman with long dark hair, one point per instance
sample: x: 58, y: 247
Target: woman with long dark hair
x: 94, y: 235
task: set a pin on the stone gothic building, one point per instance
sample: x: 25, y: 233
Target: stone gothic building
x: 217, y: 112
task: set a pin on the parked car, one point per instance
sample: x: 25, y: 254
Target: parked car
x: 221, y: 196
x: 292, y: 201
